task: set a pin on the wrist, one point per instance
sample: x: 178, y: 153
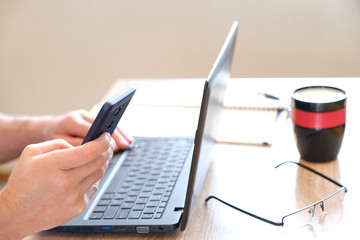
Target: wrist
x: 34, y: 129
x: 18, y: 132
x: 8, y: 228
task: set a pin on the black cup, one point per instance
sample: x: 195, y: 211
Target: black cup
x: 319, y: 116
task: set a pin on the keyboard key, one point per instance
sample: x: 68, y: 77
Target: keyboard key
x: 103, y: 202
x: 151, y: 183
x: 134, y: 214
x: 100, y: 209
x: 147, y: 216
x: 145, y: 194
x: 149, y: 209
x: 147, y: 189
x: 160, y: 210
x: 136, y: 188
x: 120, y: 196
x: 95, y: 216
x: 158, y: 191
x: 141, y: 200
x: 130, y: 199
x: 133, y: 193
x: 152, y: 203
x: 116, y: 202
x: 110, y: 212
x: 155, y: 198
x: 157, y: 215
x: 107, y: 196
x: 122, y: 190
x: 127, y: 205
x: 140, y: 182
x: 138, y: 207
x: 122, y: 214
x: 126, y: 185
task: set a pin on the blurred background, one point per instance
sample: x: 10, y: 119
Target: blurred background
x: 61, y: 55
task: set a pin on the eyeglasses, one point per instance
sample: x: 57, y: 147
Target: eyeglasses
x: 320, y: 208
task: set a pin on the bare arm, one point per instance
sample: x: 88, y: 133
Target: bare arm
x: 18, y: 132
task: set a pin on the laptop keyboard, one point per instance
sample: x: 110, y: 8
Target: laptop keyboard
x: 143, y: 192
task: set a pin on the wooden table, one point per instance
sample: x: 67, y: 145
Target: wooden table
x: 242, y: 174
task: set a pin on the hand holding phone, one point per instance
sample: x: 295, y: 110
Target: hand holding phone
x: 109, y: 115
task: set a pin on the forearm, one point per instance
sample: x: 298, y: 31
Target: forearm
x: 8, y: 229
x: 18, y: 132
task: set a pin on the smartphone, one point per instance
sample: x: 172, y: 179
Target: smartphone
x: 109, y: 115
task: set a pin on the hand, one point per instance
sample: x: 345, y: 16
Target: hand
x: 51, y: 184
x: 74, y: 126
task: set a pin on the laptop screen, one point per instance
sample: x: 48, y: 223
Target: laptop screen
x: 210, y: 111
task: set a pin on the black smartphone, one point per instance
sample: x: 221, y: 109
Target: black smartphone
x: 109, y: 115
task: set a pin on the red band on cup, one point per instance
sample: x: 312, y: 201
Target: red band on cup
x: 318, y: 120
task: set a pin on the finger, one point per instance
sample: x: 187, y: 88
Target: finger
x: 78, y: 123
x: 48, y: 146
x: 90, y: 193
x: 121, y: 142
x: 74, y: 141
x: 81, y: 155
x: 100, y: 163
x: 92, y: 180
x: 87, y: 116
x: 128, y: 138
x: 79, y: 128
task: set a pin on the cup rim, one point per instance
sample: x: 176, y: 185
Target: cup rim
x: 313, y: 106
x: 319, y: 86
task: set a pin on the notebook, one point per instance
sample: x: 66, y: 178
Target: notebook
x: 154, y: 185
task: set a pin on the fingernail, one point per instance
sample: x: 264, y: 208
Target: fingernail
x: 132, y: 139
x: 108, y: 135
x: 107, y: 164
x: 113, y: 143
x: 95, y: 187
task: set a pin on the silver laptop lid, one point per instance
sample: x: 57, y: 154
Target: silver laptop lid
x: 211, y: 106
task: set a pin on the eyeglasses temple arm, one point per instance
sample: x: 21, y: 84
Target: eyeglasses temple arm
x: 247, y: 213
x: 316, y: 172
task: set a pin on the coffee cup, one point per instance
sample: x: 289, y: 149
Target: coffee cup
x: 318, y: 114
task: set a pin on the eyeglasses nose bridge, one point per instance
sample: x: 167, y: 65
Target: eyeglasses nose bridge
x: 312, y: 211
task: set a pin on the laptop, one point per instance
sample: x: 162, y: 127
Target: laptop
x: 154, y: 185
